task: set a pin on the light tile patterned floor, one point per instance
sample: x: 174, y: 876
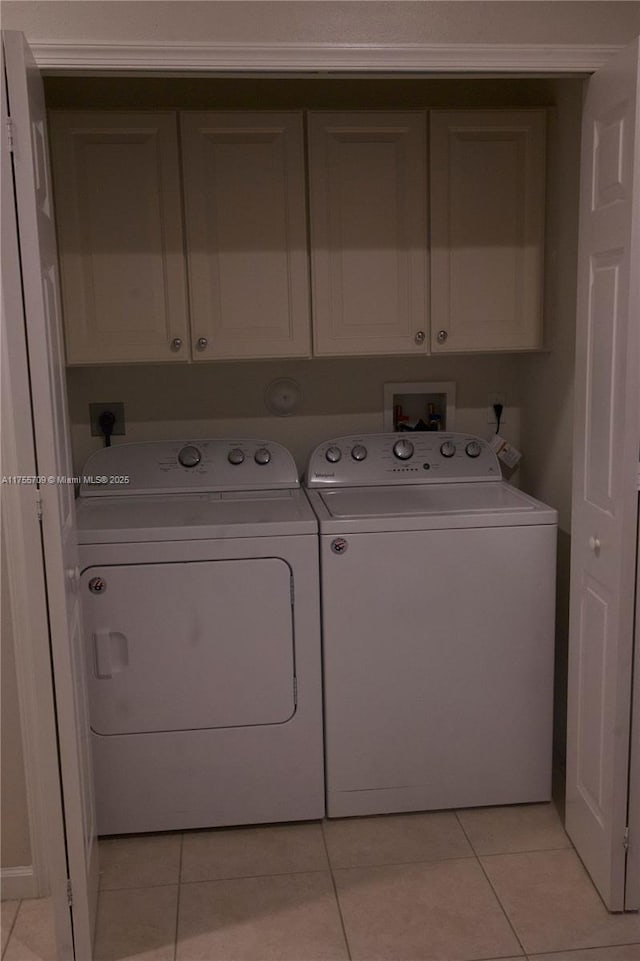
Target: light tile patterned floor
x: 490, y: 883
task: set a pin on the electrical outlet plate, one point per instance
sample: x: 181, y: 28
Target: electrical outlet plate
x: 499, y: 397
x: 116, y: 408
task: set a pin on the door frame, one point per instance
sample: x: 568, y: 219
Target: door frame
x: 242, y: 58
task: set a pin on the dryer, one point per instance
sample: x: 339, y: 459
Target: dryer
x: 200, y: 597
x: 438, y: 600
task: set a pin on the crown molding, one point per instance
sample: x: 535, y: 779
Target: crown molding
x: 341, y: 57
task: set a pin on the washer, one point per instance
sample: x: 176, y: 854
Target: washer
x: 200, y: 595
x: 438, y: 599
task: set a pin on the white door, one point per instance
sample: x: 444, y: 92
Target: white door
x: 38, y: 257
x: 605, y: 479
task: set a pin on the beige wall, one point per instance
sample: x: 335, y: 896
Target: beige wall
x: 397, y: 21
x: 222, y: 400
x: 15, y: 848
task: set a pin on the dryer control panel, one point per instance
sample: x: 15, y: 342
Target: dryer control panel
x: 420, y: 457
x: 189, y: 466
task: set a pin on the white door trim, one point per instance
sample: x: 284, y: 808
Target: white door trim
x: 397, y: 58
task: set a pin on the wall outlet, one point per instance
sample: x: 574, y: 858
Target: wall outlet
x: 499, y: 397
x: 116, y: 408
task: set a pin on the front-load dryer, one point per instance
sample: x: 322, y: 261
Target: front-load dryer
x: 200, y: 598
x: 438, y: 599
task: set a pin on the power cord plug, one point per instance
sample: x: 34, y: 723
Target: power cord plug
x: 106, y: 420
x: 497, y: 410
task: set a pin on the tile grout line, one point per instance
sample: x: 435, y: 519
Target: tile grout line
x: 178, y: 897
x: 335, y: 892
x: 12, y: 926
x: 495, y: 893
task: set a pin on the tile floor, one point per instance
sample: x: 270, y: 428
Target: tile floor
x: 492, y: 883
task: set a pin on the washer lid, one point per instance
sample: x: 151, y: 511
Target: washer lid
x: 427, y: 506
x: 175, y: 517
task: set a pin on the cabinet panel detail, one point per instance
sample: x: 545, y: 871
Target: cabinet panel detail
x: 368, y: 197
x: 119, y: 222
x: 487, y: 229
x: 246, y: 234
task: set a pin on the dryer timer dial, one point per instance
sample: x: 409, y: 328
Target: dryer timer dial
x: 473, y: 449
x: 189, y: 456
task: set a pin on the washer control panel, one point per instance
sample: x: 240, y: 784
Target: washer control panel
x: 420, y: 457
x: 190, y: 466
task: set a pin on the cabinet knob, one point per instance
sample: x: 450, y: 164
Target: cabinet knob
x: 202, y: 343
x: 176, y: 343
x: 594, y: 545
x: 442, y: 336
x: 419, y: 338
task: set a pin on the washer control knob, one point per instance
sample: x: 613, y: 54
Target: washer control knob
x: 262, y: 456
x: 359, y: 452
x: 448, y: 449
x: 403, y: 449
x: 473, y: 449
x: 235, y: 456
x: 333, y: 454
x: 189, y: 456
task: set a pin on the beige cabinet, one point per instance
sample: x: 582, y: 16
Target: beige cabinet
x: 245, y: 215
x: 368, y: 227
x: 487, y: 229
x: 119, y: 219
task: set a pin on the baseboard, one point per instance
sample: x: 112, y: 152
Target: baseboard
x: 17, y: 883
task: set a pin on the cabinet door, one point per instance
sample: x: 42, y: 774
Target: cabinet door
x: 119, y: 219
x: 246, y: 234
x: 487, y: 229
x: 368, y: 196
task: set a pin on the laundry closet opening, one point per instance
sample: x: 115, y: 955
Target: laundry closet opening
x: 344, y: 394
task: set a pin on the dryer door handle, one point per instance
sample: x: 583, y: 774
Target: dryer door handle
x: 111, y: 653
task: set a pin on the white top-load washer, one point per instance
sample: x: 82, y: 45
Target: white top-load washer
x: 200, y: 596
x: 438, y: 599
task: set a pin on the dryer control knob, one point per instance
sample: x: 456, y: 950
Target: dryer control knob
x: 235, y: 456
x: 359, y: 452
x: 189, y: 456
x: 403, y: 449
x: 473, y: 449
x: 333, y: 454
x: 448, y: 449
x: 262, y: 456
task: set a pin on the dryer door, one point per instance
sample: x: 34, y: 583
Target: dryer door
x: 188, y: 646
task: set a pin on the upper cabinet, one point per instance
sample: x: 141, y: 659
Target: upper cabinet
x: 245, y: 213
x: 388, y: 276
x: 487, y: 229
x: 368, y: 220
x: 119, y: 220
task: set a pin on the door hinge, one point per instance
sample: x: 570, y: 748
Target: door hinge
x: 39, y: 505
x: 10, y: 136
x: 69, y: 892
x: 625, y: 839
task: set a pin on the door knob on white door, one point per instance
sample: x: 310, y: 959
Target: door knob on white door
x: 594, y: 544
